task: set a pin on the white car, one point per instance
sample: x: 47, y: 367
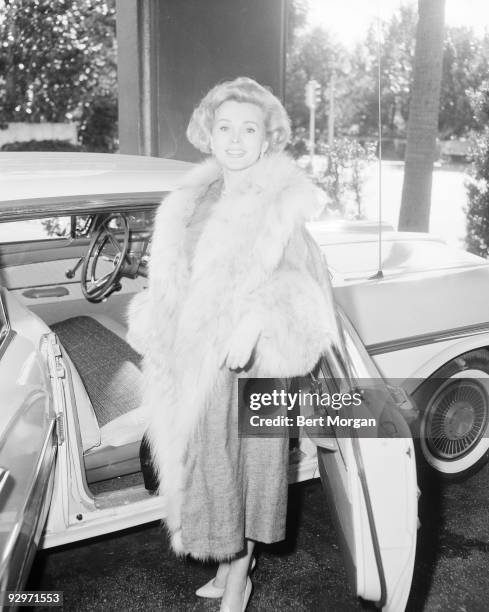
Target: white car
x: 425, y: 322
x: 75, y: 233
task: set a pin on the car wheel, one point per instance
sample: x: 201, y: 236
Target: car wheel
x: 454, y: 425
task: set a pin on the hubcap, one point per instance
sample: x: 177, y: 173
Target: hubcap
x: 459, y: 420
x: 456, y: 418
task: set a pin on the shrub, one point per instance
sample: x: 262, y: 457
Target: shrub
x: 42, y: 145
x: 344, y: 174
x: 477, y: 240
x: 98, y: 129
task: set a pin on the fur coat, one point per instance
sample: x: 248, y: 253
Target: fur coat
x: 254, y: 258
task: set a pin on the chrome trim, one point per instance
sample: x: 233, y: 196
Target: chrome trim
x: 62, y: 284
x: 7, y: 334
x: 371, y: 518
x: 401, y: 344
x: 35, y: 483
x: 4, y: 474
x: 82, y: 205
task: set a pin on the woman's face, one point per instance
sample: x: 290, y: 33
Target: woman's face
x: 238, y: 137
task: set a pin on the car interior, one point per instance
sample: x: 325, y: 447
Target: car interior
x: 45, y: 278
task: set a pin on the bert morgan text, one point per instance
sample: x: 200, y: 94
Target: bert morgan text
x: 305, y: 421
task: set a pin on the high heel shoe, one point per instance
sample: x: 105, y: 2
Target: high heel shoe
x: 211, y: 591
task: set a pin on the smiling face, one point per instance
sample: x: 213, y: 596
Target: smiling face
x: 238, y: 136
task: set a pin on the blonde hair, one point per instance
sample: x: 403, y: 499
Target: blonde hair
x: 242, y: 89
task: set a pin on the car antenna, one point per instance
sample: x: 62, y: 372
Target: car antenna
x: 379, y: 273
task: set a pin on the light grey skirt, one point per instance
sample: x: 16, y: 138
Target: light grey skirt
x: 235, y: 488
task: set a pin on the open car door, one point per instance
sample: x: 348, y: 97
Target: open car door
x: 28, y: 442
x: 369, y: 478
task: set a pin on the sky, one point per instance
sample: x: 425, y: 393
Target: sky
x: 350, y: 18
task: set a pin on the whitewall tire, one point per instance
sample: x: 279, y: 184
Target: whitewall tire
x: 454, y: 422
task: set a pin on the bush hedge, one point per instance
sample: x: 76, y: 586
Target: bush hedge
x: 42, y: 145
x: 99, y: 128
x: 477, y: 240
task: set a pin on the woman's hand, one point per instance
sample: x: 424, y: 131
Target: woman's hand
x: 242, y: 343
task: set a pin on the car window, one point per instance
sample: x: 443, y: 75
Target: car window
x: 35, y: 229
x: 141, y: 221
x: 52, y: 228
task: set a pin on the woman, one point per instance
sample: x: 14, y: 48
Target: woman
x: 235, y: 285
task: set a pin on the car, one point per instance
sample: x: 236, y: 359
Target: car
x: 75, y: 239
x: 423, y: 319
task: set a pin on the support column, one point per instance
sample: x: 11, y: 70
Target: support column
x: 137, y: 76
x: 170, y: 54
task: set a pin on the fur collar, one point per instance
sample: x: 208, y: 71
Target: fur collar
x: 274, y: 176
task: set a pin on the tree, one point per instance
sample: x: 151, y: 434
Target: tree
x: 396, y: 63
x: 296, y: 18
x: 314, y: 55
x: 465, y: 67
x: 423, y: 117
x: 56, y: 55
x: 477, y: 240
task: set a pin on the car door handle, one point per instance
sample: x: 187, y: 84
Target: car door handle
x: 44, y: 292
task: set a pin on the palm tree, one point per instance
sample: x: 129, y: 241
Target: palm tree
x: 423, y: 117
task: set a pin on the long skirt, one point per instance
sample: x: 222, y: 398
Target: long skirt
x: 235, y: 488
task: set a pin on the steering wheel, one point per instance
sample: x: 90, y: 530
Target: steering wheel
x: 97, y: 289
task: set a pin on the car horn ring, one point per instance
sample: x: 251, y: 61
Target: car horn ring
x: 97, y: 285
x: 98, y: 289
x: 456, y: 418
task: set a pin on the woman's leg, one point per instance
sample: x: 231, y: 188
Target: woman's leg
x: 222, y: 574
x: 233, y: 598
